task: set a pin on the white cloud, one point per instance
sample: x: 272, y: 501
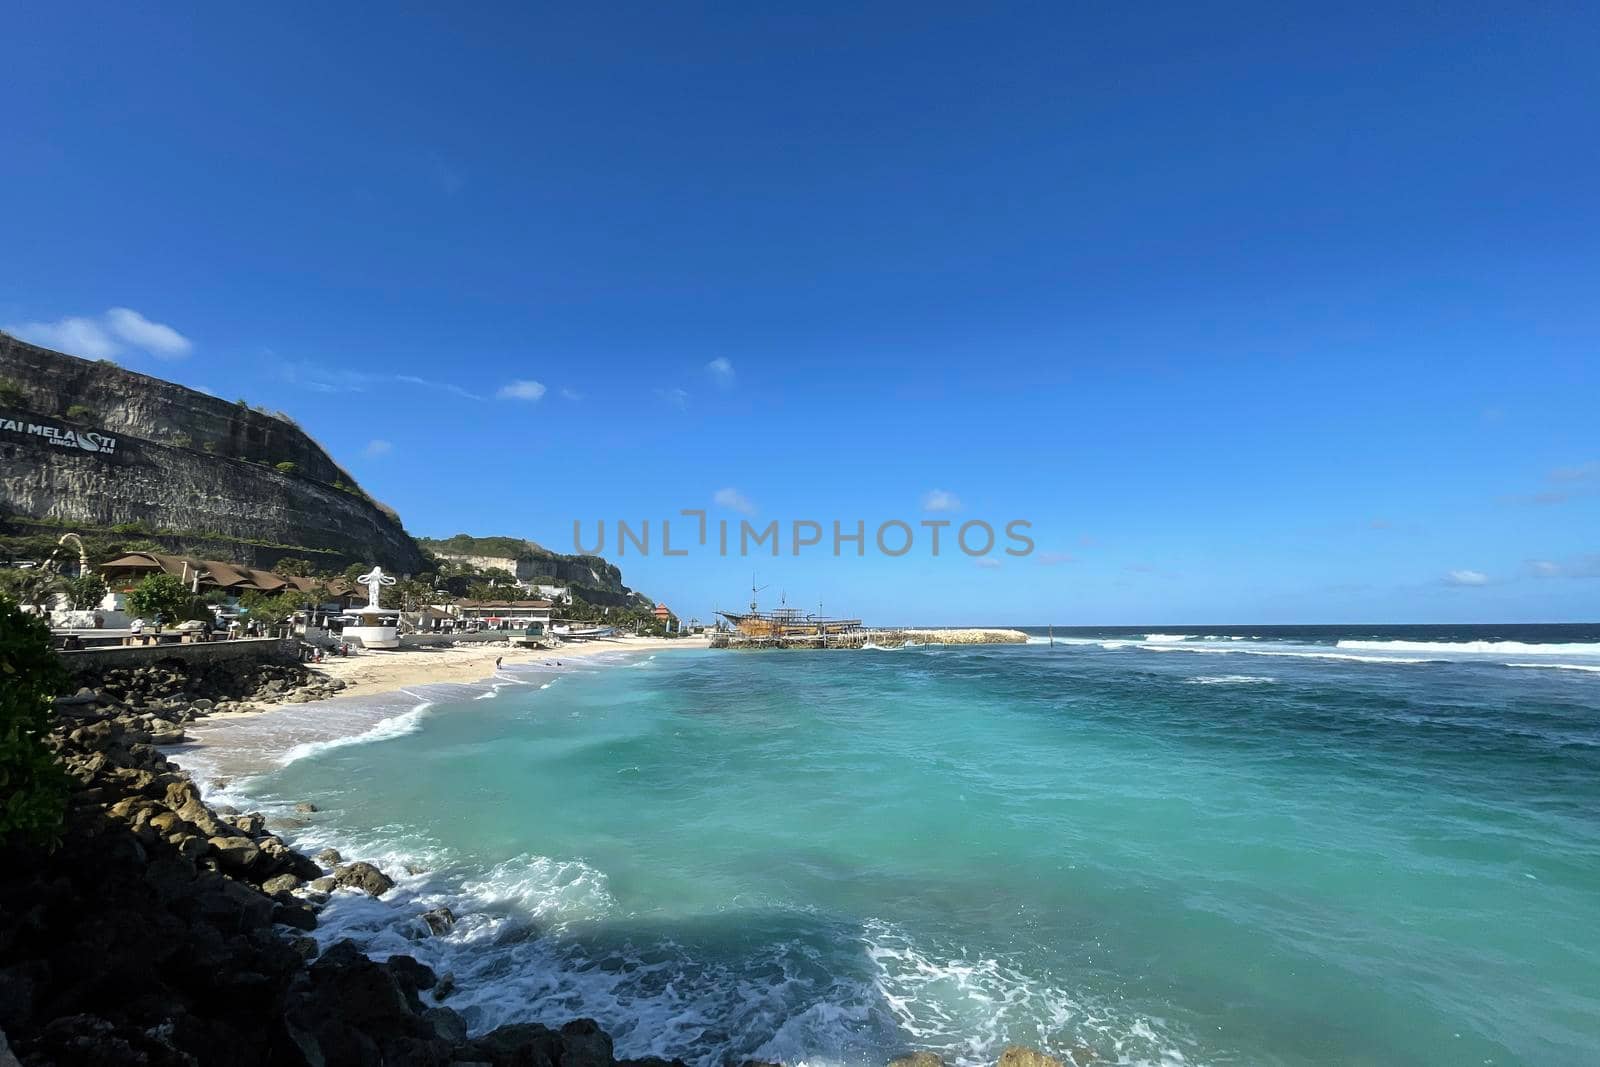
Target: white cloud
x: 377, y: 447
x: 734, y: 500
x: 571, y: 394
x: 678, y: 398
x: 104, y: 336
x: 75, y: 336
x: 940, y: 500
x: 1051, y: 559
x: 1581, y: 567
x: 521, y: 389
x: 156, y: 338
x: 411, y: 379
x: 1466, y: 578
x: 721, y: 372
x: 322, y: 379
x: 1563, y: 484
x: 988, y: 563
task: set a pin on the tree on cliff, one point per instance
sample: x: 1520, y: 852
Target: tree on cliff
x: 161, y: 594
x: 33, y: 787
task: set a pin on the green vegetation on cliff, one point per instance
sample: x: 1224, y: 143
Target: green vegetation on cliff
x: 33, y: 787
x: 589, y: 579
x: 499, y: 547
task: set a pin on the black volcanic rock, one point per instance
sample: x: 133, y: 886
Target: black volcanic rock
x: 137, y: 941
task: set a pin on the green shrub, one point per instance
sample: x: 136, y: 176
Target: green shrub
x: 86, y: 591
x: 287, y: 467
x: 33, y: 787
x: 80, y: 412
x: 161, y: 594
x: 11, y: 394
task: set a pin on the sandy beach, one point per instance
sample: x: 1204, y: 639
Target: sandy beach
x: 380, y: 672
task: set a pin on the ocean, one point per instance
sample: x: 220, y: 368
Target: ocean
x: 1173, y: 845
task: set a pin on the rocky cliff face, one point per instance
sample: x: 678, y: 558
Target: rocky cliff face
x: 90, y: 443
x: 594, y: 579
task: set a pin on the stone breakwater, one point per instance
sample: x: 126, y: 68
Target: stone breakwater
x: 163, y: 930
x: 966, y: 637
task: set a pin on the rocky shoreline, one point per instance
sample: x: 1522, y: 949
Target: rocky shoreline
x: 166, y: 931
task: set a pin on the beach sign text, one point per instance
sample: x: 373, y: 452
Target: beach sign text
x: 61, y: 436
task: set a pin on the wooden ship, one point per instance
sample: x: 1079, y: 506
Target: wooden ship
x: 785, y: 627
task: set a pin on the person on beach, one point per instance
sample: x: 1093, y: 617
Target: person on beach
x: 497, y: 660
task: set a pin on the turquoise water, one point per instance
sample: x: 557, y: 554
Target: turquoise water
x: 1164, y: 849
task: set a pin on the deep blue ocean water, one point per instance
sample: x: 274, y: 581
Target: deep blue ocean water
x: 1195, y: 845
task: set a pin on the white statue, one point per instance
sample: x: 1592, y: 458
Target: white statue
x: 374, y: 580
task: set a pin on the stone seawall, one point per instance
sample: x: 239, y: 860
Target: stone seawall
x: 257, y: 650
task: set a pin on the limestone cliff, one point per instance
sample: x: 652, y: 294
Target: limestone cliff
x: 90, y: 443
x: 590, y: 577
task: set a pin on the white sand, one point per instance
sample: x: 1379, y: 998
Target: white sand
x: 380, y: 672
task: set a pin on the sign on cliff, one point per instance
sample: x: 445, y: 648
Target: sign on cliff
x: 61, y: 436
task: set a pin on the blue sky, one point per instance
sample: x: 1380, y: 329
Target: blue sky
x: 1254, y: 314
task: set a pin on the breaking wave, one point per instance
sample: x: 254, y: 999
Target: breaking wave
x: 1499, y: 648
x: 398, y: 726
x: 543, y: 940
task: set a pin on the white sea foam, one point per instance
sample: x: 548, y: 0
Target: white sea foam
x: 968, y: 1009
x: 1502, y: 648
x: 544, y: 888
x: 1165, y: 639
x: 787, y: 999
x: 1308, y: 654
x: 1229, y: 679
x: 1586, y: 667
x: 398, y: 726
